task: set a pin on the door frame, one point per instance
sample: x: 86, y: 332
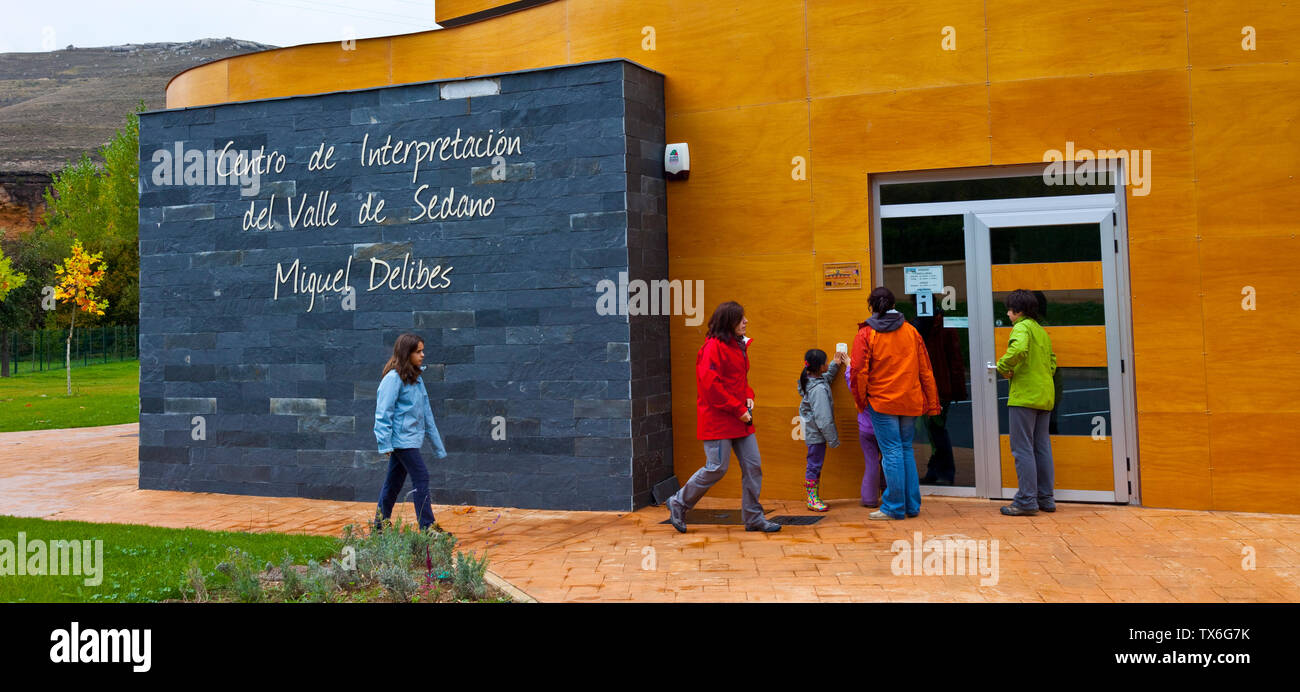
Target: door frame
x: 1119, y: 306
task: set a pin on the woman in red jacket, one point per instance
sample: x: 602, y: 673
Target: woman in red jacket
x: 724, y: 420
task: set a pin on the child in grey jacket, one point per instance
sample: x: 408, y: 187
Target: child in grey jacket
x: 818, y: 418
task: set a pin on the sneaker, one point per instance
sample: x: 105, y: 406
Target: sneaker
x: 1014, y: 511
x: 880, y: 516
x: 1047, y: 508
x: 765, y: 527
x: 676, y: 516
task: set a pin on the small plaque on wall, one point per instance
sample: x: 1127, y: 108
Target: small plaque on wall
x: 841, y: 275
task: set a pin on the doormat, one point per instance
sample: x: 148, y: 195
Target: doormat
x: 798, y: 520
x: 715, y: 516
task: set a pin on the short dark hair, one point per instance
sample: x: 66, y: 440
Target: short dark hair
x: 881, y: 300
x: 1023, y: 302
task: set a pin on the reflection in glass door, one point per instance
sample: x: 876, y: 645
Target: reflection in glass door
x: 1067, y: 259
x: 936, y: 245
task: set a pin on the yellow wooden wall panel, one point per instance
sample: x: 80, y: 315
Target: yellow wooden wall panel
x: 838, y: 167
x: 1216, y: 38
x: 201, y: 86
x: 879, y: 46
x: 780, y: 305
x: 1253, y: 462
x: 1075, y: 346
x: 1030, y: 39
x: 1047, y: 276
x: 599, y: 29
x: 717, y: 54
x: 451, y: 9
x: 741, y: 196
x: 1247, y: 149
x: 840, y: 310
x: 1251, y: 354
x: 1031, y: 118
x: 1168, y: 335
x: 901, y: 129
x: 1174, y: 460
x: 312, y: 69
x: 1079, y: 462
x: 531, y: 38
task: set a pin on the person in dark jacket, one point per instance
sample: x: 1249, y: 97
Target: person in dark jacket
x: 724, y: 420
x: 944, y: 347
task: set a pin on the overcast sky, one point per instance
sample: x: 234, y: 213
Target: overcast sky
x: 36, y: 25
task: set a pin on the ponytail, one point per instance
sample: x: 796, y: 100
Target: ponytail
x: 813, y: 361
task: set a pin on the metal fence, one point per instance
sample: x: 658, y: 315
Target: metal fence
x: 43, y: 349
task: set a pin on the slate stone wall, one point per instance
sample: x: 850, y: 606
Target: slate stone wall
x: 246, y: 391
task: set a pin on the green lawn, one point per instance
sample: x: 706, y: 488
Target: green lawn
x: 104, y: 394
x: 140, y: 563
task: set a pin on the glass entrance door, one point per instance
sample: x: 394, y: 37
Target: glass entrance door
x: 1067, y: 258
x: 951, y: 245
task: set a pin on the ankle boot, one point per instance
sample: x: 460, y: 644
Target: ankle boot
x: 814, y: 502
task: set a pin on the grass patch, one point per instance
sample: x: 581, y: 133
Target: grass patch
x: 149, y: 564
x: 146, y: 563
x: 103, y: 394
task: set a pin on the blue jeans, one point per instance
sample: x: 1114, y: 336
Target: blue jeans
x: 401, y: 463
x: 902, y: 495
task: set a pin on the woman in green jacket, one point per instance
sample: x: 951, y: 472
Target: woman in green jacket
x: 1029, y: 363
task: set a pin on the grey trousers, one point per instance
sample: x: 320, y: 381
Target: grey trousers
x: 1032, y: 448
x: 717, y: 456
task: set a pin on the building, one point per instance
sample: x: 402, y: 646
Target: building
x: 898, y: 135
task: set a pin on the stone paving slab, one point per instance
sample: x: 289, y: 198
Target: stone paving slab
x: 1082, y: 553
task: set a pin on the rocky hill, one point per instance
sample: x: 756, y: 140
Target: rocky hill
x: 57, y: 104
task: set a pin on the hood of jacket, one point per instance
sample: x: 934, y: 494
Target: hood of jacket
x: 810, y: 385
x: 886, y: 322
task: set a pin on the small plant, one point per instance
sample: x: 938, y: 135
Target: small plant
x: 398, y: 582
x: 467, y: 577
x: 441, y: 553
x: 321, y: 583
x: 243, y: 574
x: 291, y: 582
x: 195, y: 583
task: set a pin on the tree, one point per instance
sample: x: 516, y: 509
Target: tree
x: 100, y: 207
x: 34, y: 255
x: 78, y: 279
x: 9, y: 279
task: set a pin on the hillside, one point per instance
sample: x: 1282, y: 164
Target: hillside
x: 57, y: 104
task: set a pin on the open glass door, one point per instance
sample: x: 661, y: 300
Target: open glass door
x: 1069, y: 257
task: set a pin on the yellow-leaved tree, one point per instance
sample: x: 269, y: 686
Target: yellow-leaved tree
x: 77, y: 280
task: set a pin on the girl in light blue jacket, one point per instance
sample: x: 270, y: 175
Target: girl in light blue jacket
x: 403, y: 418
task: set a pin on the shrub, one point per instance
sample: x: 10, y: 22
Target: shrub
x: 243, y: 574
x: 292, y: 582
x: 398, y: 582
x: 467, y: 577
x: 195, y: 583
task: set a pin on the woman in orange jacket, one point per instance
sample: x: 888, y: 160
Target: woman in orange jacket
x: 893, y: 382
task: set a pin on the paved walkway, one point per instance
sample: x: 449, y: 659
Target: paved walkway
x: 1082, y: 553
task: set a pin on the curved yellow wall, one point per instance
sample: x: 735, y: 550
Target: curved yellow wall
x: 856, y: 90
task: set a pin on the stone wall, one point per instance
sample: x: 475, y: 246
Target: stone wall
x: 255, y: 381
